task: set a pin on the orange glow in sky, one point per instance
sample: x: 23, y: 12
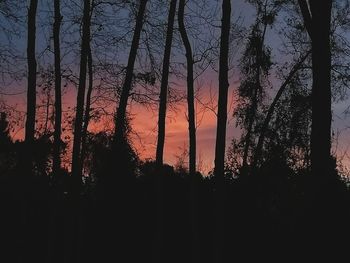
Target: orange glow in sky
x: 144, y: 125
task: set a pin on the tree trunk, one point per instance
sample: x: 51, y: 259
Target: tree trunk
x: 223, y: 90
x: 55, y: 235
x: 192, y: 135
x: 123, y: 102
x: 87, y: 107
x: 164, y: 84
x: 190, y: 89
x: 258, y: 150
x: 58, y: 98
x: 31, y: 92
x: 73, y: 247
x: 76, y: 158
x: 158, y: 242
x: 321, y: 88
x: 219, y: 209
x: 25, y: 165
x: 317, y: 18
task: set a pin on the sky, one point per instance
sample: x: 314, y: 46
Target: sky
x: 144, y: 120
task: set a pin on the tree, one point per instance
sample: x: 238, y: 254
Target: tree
x: 88, y: 95
x: 223, y: 90
x: 221, y: 130
x: 158, y: 243
x: 31, y: 92
x: 190, y: 89
x: 58, y: 93
x: 270, y: 111
x: 255, y: 66
x: 192, y: 132
x: 120, y: 122
x: 87, y: 107
x: 76, y: 158
x: 164, y: 84
x: 4, y: 129
x: 317, y: 20
x: 5, y: 144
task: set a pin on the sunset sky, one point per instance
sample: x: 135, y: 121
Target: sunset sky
x: 144, y: 120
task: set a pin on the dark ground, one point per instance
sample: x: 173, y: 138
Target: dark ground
x: 270, y: 216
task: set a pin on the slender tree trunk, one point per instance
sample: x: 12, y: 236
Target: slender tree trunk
x: 87, y: 107
x: 192, y: 135
x: 158, y: 242
x: 55, y: 235
x: 47, y: 112
x: 31, y: 92
x: 223, y: 90
x: 25, y: 166
x: 76, y: 158
x: 190, y: 89
x: 258, y: 151
x: 164, y: 84
x: 73, y: 246
x: 123, y: 102
x: 58, y: 95
x: 321, y: 88
x: 221, y: 133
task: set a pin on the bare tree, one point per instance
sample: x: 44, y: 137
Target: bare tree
x: 123, y: 102
x: 317, y: 20
x: 32, y: 67
x: 87, y: 106
x: 190, y: 89
x: 158, y: 242
x: 76, y: 158
x: 223, y: 90
x: 58, y: 93
x: 164, y: 84
x: 221, y: 129
x: 192, y: 131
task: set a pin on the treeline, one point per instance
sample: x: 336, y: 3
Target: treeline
x: 278, y: 182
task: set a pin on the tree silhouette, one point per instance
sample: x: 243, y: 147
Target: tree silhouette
x: 87, y: 106
x: 270, y: 111
x: 58, y: 93
x: 255, y: 64
x: 164, y: 84
x: 190, y: 89
x: 223, y: 90
x: 31, y: 91
x: 76, y: 156
x: 6, y: 145
x: 158, y: 243
x: 317, y: 19
x: 120, y: 122
x: 221, y: 129
x: 192, y: 132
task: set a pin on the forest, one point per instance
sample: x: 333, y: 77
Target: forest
x: 174, y: 131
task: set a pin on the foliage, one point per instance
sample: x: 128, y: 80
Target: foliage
x: 255, y: 66
x: 6, y: 145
